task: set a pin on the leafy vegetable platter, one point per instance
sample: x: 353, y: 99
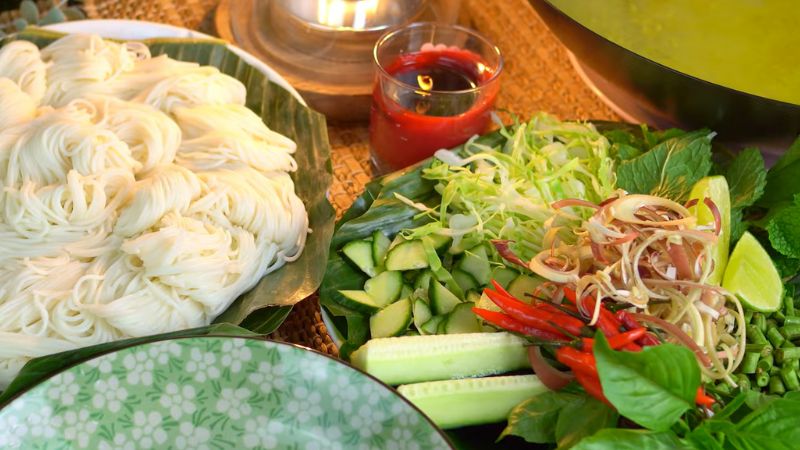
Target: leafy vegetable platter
x: 263, y: 308
x: 422, y: 248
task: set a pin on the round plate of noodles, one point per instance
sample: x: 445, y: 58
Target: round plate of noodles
x: 154, y: 180
x: 215, y: 392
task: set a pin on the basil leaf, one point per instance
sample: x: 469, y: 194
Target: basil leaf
x: 582, y: 418
x: 701, y: 437
x: 619, y: 439
x: 772, y: 426
x: 669, y: 169
x: 653, y: 387
x: 535, y: 419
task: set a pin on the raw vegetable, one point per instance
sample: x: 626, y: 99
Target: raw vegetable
x: 454, y: 403
x: 411, y: 359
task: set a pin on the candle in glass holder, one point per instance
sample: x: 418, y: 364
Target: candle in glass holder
x: 435, y: 87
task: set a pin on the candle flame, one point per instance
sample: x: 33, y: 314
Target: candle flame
x: 334, y: 12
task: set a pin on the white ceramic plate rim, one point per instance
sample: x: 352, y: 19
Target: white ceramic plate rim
x: 139, y: 29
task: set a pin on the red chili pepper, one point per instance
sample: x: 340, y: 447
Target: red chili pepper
x: 570, y: 295
x: 509, y: 323
x: 649, y: 339
x: 622, y: 340
x: 576, y: 360
x: 592, y: 386
x: 536, y: 316
x: 702, y: 399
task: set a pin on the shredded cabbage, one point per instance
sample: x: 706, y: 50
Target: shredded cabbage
x: 506, y: 192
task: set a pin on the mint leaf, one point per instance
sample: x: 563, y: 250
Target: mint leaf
x: 619, y: 439
x: 582, y: 418
x: 783, y: 179
x: 535, y: 420
x: 653, y: 387
x: 669, y: 169
x: 746, y: 178
x: 791, y: 155
x: 784, y: 231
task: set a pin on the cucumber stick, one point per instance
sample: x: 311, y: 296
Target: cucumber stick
x: 411, y: 359
x: 471, y: 401
x: 391, y: 320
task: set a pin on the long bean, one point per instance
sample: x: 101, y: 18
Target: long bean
x: 760, y: 320
x: 782, y: 354
x: 750, y: 362
x: 791, y: 332
x: 789, y: 377
x: 776, y: 385
x: 755, y: 335
x: 775, y: 337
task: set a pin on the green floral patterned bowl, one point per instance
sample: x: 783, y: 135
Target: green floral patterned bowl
x: 215, y: 393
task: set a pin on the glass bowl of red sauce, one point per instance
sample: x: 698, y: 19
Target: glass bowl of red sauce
x: 435, y: 87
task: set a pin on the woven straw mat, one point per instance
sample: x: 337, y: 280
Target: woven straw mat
x: 538, y: 77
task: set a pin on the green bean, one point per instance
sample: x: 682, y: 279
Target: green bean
x: 762, y: 379
x: 765, y: 363
x: 793, y: 363
x: 754, y: 335
x: 779, y: 316
x: 744, y: 382
x: 748, y: 315
x: 788, y: 344
x: 760, y: 320
x: 791, y: 331
x: 789, y: 377
x: 787, y: 353
x: 791, y: 320
x: 761, y: 349
x: 788, y: 306
x: 749, y: 362
x: 774, y: 370
x: 776, y: 385
x: 775, y: 337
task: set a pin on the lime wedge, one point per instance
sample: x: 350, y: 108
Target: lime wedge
x: 752, y: 276
x: 715, y: 188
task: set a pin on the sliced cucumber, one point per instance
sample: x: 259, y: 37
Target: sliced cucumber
x: 523, y: 286
x: 504, y: 275
x: 440, y: 241
x: 409, y: 255
x: 411, y: 359
x: 432, y: 325
x: 392, y: 320
x: 422, y: 313
x: 473, y: 296
x: 360, y: 253
x: 442, y: 301
x: 464, y: 280
x: 442, y: 327
x: 472, y: 401
x: 380, y: 245
x: 462, y: 320
x: 423, y: 281
x: 476, y: 263
x: 406, y: 291
x: 385, y: 287
x: 359, y: 301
